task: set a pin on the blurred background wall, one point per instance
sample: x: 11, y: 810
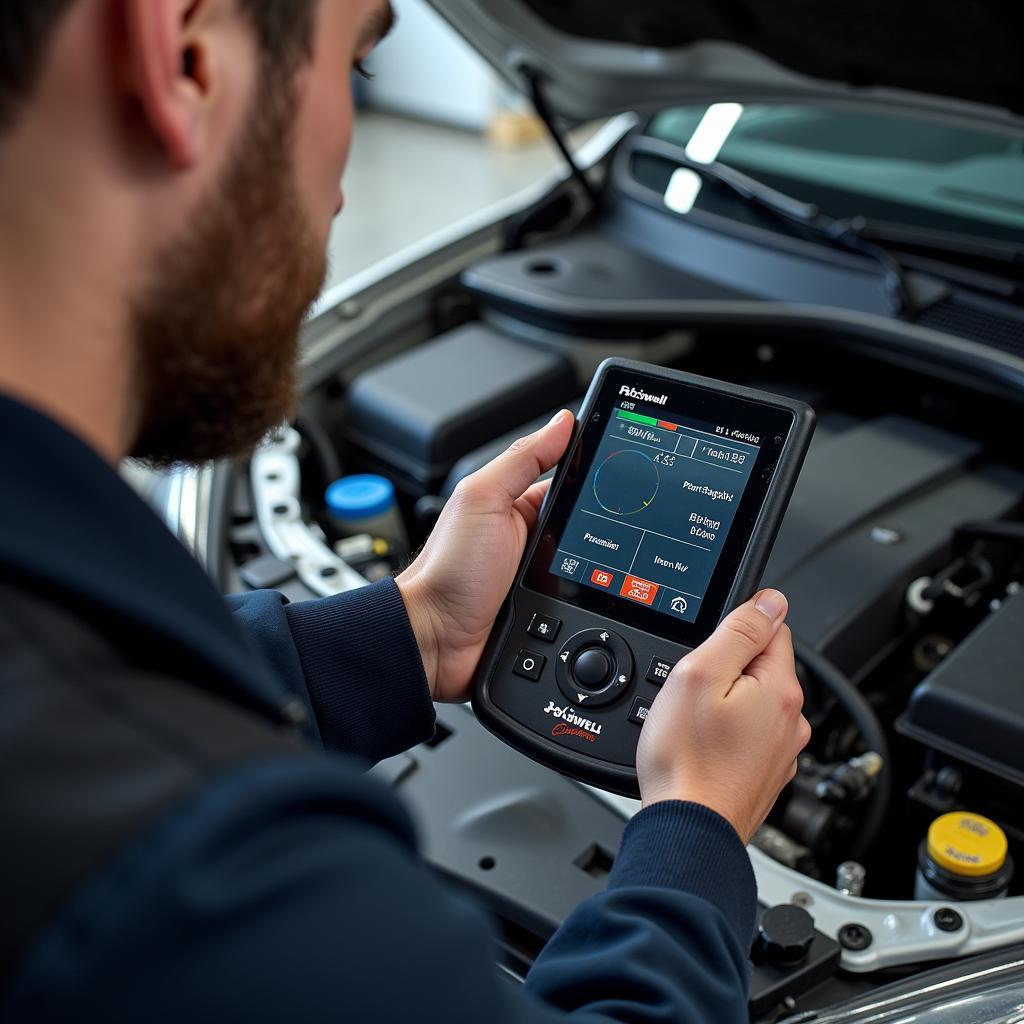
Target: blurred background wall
x: 438, y: 137
x: 425, y: 70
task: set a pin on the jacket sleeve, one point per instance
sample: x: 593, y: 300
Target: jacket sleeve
x: 353, y: 658
x: 672, y: 931
x: 291, y: 893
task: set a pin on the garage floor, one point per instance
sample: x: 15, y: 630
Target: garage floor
x: 407, y: 179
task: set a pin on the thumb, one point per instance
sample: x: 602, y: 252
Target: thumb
x: 512, y: 472
x: 776, y: 662
x: 740, y: 637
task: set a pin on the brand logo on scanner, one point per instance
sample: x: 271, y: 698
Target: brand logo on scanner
x: 572, y: 724
x: 642, y: 396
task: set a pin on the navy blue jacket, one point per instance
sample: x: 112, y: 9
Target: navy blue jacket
x: 285, y: 886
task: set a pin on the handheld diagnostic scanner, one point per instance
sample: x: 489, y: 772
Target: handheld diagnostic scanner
x: 660, y: 520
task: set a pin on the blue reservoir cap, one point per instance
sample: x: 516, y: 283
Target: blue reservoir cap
x: 360, y: 497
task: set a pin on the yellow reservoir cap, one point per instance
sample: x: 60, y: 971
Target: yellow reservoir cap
x: 967, y: 844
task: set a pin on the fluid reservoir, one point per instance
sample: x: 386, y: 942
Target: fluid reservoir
x: 367, y: 504
x: 964, y: 857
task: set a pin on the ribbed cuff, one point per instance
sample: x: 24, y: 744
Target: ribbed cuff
x: 688, y: 847
x: 364, y: 671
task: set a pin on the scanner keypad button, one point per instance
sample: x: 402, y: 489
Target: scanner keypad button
x: 529, y: 665
x: 544, y: 627
x: 658, y: 670
x: 639, y: 711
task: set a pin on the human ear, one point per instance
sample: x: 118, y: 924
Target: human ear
x: 169, y: 65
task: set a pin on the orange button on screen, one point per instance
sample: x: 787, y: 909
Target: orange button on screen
x: 601, y: 578
x: 640, y: 590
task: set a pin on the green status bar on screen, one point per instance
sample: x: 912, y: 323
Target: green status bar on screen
x: 647, y: 421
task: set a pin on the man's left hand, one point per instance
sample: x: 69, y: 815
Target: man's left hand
x: 455, y: 587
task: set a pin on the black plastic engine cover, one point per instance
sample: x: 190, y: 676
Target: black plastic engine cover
x: 531, y: 845
x: 972, y: 706
x: 875, y: 508
x: 417, y: 414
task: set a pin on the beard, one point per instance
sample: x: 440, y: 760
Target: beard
x: 216, y: 334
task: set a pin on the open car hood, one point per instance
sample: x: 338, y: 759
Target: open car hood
x: 601, y: 57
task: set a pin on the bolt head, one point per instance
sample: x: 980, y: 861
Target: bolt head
x: 855, y: 937
x: 786, y: 932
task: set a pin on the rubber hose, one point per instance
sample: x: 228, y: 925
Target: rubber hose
x: 852, y: 701
x: 325, y: 452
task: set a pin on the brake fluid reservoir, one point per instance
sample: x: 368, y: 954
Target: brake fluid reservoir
x: 367, y: 504
x: 964, y: 857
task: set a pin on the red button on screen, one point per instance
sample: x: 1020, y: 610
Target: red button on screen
x: 601, y: 578
x: 640, y: 590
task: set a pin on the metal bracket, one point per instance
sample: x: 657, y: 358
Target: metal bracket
x: 276, y: 478
x: 901, y: 931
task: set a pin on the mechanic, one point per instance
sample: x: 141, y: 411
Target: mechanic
x: 188, y: 832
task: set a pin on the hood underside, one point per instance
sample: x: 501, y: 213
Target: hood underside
x: 600, y: 57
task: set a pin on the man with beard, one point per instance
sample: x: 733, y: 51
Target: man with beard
x: 188, y: 834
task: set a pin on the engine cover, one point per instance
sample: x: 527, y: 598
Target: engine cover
x: 875, y: 507
x: 972, y: 706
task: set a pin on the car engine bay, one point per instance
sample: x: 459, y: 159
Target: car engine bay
x: 902, y: 556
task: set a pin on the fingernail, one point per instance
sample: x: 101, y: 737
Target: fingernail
x: 771, y: 603
x: 558, y: 415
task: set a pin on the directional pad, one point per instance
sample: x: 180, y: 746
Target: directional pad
x: 594, y: 667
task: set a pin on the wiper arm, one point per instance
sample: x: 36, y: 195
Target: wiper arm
x: 856, y: 231
x: 945, y: 243
x: 845, y: 233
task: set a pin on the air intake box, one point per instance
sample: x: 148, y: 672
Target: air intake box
x: 972, y: 706
x: 415, y: 416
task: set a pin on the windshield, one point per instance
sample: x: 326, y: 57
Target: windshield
x: 888, y: 168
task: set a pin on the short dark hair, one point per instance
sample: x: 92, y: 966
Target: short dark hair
x: 285, y: 29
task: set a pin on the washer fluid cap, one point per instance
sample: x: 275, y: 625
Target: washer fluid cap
x: 967, y: 844
x: 360, y: 497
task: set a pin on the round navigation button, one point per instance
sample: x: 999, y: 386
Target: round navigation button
x: 592, y: 668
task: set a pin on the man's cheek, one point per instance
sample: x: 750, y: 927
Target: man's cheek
x: 325, y: 150
x: 342, y: 120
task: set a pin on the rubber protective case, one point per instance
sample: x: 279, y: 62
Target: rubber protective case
x: 581, y: 729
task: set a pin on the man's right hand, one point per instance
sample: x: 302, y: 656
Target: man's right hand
x: 726, y: 728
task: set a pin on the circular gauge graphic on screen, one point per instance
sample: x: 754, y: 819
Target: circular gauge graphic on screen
x: 626, y: 482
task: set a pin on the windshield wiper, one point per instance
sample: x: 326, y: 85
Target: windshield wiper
x: 987, y: 254
x: 848, y: 233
